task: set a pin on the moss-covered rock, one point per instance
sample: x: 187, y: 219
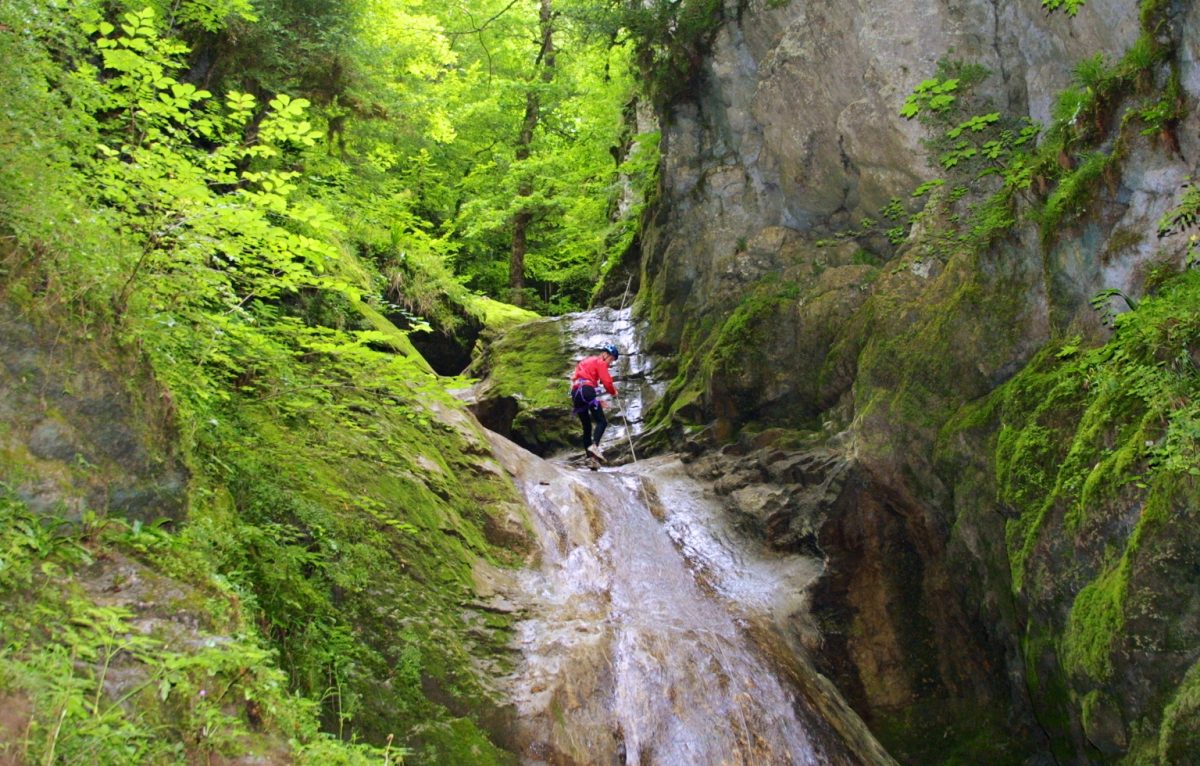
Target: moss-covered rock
x: 342, y: 494
x: 756, y: 351
x: 84, y: 427
x: 1100, y: 501
x: 524, y: 393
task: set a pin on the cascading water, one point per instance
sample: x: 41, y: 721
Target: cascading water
x: 635, y: 646
x: 634, y: 372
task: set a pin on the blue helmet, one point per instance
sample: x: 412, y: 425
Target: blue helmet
x: 610, y: 349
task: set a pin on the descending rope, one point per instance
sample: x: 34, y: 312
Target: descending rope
x: 628, y: 426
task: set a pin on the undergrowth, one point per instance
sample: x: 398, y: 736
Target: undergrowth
x: 172, y: 226
x: 96, y: 682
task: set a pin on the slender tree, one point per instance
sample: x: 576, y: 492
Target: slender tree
x: 525, y: 213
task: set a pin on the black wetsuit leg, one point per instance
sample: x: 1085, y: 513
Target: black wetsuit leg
x: 600, y: 421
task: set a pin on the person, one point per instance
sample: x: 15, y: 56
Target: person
x: 591, y: 373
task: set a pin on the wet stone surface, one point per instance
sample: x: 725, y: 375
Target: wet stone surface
x: 645, y: 623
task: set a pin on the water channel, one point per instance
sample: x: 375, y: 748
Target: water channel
x: 651, y: 627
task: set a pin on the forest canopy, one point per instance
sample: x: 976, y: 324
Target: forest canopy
x: 436, y: 140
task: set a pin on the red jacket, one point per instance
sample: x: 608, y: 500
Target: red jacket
x: 593, y: 371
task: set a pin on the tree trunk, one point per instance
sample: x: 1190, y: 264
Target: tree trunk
x: 525, y: 214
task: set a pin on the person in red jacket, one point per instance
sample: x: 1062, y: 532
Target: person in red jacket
x: 589, y: 375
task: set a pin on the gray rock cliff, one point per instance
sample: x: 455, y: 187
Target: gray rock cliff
x: 784, y: 308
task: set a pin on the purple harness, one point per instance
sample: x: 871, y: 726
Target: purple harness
x: 579, y: 398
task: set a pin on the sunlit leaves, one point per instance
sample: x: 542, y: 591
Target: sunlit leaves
x: 441, y: 129
x: 212, y: 15
x: 1070, y: 7
x: 239, y: 106
x: 286, y: 124
x: 974, y: 124
x: 932, y: 95
x: 221, y: 229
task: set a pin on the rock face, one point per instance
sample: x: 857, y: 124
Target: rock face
x: 785, y: 308
x: 79, y: 436
x: 799, y: 124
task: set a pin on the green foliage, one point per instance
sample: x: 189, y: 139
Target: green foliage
x: 1070, y: 7
x: 970, y: 140
x: 212, y: 232
x: 1073, y: 193
x: 927, y: 187
x: 933, y: 95
x: 671, y: 38
x: 1183, y: 217
x: 1102, y: 303
x: 1086, y: 426
x: 640, y: 172
x: 893, y: 224
x: 105, y: 691
x: 566, y: 178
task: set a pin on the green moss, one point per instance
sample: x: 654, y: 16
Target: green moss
x: 1078, y: 432
x: 530, y: 366
x: 1179, y: 735
x: 1073, y: 195
x: 497, y: 316
x: 743, y: 338
x: 1096, y: 619
x: 352, y: 513
x: 394, y: 338
x: 529, y: 362
x: 949, y: 733
x: 925, y: 348
x: 457, y: 742
x: 1074, y: 434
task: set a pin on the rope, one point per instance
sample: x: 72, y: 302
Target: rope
x: 628, y: 435
x: 628, y: 427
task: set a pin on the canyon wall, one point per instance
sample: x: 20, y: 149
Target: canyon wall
x: 982, y: 598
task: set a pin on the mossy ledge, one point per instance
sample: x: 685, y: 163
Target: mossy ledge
x: 336, y: 506
x: 1097, y: 473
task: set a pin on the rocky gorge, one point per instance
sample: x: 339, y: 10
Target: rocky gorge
x: 927, y: 384
x: 904, y: 467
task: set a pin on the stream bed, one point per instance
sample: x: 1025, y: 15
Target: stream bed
x: 647, y: 630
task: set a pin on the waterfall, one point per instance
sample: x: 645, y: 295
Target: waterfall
x: 644, y: 617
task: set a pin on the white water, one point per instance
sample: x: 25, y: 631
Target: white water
x: 634, y: 651
x: 636, y: 643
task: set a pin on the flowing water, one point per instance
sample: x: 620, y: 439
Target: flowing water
x: 636, y: 647
x: 643, y: 621
x: 635, y: 373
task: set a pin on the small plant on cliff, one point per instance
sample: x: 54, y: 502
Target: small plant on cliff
x: 1102, y: 303
x: 970, y: 140
x: 893, y: 224
x: 1070, y: 7
x: 1183, y: 217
